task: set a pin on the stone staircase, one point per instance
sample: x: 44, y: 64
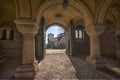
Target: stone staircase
x: 3, y: 57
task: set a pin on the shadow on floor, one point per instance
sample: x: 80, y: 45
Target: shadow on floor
x: 83, y: 71
x: 112, y: 68
x: 8, y: 67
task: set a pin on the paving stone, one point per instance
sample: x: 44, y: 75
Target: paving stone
x: 61, y: 66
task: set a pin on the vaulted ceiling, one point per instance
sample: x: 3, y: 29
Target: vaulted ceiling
x: 113, y: 13
x: 98, y: 9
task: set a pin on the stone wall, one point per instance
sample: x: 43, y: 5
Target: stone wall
x: 108, y: 43
x: 11, y: 47
x: 118, y: 47
x: 81, y: 47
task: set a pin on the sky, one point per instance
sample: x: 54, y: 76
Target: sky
x: 54, y: 30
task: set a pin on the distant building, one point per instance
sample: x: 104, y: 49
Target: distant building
x: 58, y: 42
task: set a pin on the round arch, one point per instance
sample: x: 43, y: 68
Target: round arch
x: 56, y: 24
x: 57, y: 39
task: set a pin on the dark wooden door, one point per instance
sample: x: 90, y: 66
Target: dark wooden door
x: 40, y: 41
x: 69, y: 38
x: 43, y: 45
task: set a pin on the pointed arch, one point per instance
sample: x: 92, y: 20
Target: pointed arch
x: 83, y: 10
x: 103, y: 11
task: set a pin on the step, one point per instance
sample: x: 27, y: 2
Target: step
x: 3, y: 57
x: 3, y: 60
x: 115, y: 70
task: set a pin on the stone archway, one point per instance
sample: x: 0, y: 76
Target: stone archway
x: 55, y: 37
x: 75, y: 9
x: 53, y: 12
x: 40, y: 42
x: 27, y: 26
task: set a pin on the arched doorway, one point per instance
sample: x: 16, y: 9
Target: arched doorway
x: 51, y: 37
x: 54, y: 12
x: 55, y: 37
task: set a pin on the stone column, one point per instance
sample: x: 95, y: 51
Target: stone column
x: 95, y: 58
x: 28, y: 29
x: 28, y: 48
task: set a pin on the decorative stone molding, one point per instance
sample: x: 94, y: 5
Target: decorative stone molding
x: 96, y: 29
x: 26, y: 26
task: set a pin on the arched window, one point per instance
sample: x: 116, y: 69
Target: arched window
x: 79, y: 34
x: 11, y: 35
x: 76, y: 33
x: 4, y: 34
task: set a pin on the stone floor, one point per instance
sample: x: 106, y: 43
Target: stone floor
x: 113, y: 68
x: 60, y: 66
x: 8, y: 68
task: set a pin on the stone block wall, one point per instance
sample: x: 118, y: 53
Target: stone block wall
x: 108, y: 43
x: 11, y: 47
x: 81, y: 47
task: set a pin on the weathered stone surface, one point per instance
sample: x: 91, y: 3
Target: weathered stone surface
x: 56, y: 66
x: 60, y: 66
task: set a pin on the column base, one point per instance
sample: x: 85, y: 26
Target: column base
x: 25, y: 71
x: 97, y: 62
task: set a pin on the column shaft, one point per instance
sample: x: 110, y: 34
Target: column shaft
x: 95, y: 46
x: 95, y: 59
x: 28, y: 48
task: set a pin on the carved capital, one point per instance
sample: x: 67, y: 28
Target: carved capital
x: 95, y: 30
x: 99, y: 29
x: 26, y: 26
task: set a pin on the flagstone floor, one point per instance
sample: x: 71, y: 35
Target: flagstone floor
x: 58, y: 65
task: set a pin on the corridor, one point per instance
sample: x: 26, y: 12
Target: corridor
x: 58, y: 65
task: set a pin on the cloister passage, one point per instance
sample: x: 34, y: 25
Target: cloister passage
x: 92, y: 32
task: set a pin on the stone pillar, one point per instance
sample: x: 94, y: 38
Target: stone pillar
x: 28, y: 48
x: 95, y: 58
x: 28, y: 29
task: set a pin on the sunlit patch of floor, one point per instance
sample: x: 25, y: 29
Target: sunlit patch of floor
x: 56, y: 66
